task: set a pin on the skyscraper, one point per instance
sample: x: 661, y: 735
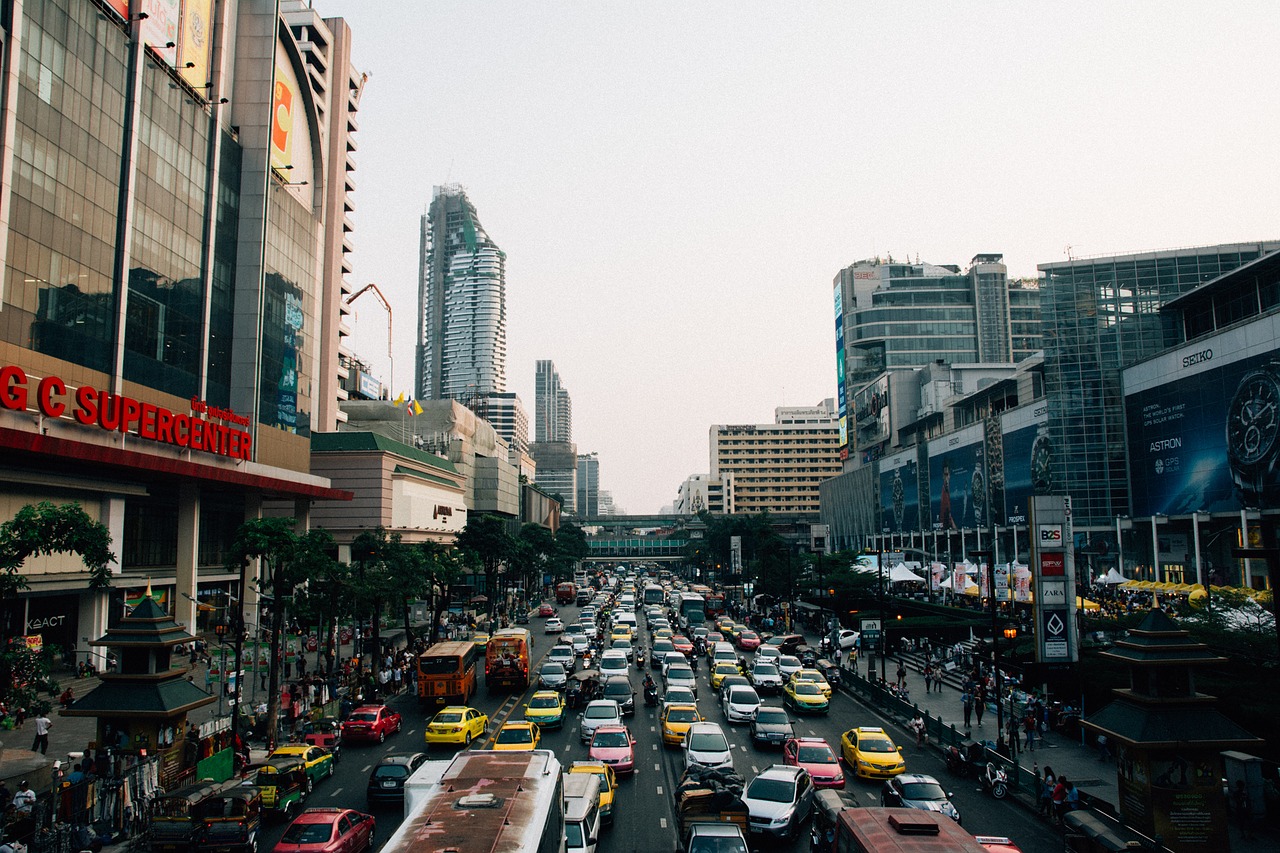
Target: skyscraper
x: 462, y: 309
x: 552, y: 405
x: 588, y: 503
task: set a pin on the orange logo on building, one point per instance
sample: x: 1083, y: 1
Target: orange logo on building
x: 281, y: 123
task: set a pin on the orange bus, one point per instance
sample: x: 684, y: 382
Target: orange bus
x: 506, y: 659
x: 447, y: 673
x: 880, y: 830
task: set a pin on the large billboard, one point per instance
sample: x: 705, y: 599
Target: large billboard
x: 842, y: 401
x: 958, y: 480
x: 871, y: 412
x: 900, y: 492
x: 1028, y: 459
x: 1204, y: 425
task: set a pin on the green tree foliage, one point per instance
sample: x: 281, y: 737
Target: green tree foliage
x: 443, y: 568
x: 487, y: 540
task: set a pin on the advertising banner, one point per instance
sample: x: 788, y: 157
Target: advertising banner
x: 957, y: 480
x: 1028, y: 459
x: 871, y: 412
x: 195, y: 47
x: 1204, y: 434
x: 842, y: 401
x: 900, y: 492
x: 160, y: 28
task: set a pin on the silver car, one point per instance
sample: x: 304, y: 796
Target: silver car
x: 681, y: 675
x: 779, y: 800
x: 601, y: 712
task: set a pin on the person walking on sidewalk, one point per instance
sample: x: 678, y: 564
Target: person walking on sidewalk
x: 1044, y: 803
x: 917, y: 725
x: 928, y: 678
x: 902, y: 674
x: 979, y: 704
x: 41, y: 742
x: 966, y: 702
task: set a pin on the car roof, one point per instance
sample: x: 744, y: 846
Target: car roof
x: 555, y: 693
x: 780, y: 771
x: 611, y: 702
x: 810, y: 741
x: 368, y: 708
x: 518, y: 724
x: 915, y: 777
x: 614, y: 653
x: 869, y: 730
x: 320, y: 814
x: 456, y: 708
x: 611, y: 728
x: 706, y: 726
x: 400, y: 758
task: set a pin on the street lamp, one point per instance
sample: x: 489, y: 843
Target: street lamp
x: 995, y: 642
x: 1010, y: 634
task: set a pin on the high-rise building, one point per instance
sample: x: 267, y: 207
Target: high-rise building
x: 506, y: 413
x: 1025, y: 328
x: 588, y: 504
x: 1101, y: 315
x: 557, y: 471
x: 552, y: 405
x: 462, y: 309
x: 777, y: 467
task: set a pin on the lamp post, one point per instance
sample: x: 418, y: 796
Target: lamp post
x: 1011, y: 634
x: 884, y: 647
x: 995, y: 642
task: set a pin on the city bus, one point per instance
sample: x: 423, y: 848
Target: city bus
x: 691, y: 611
x: 881, y: 830
x: 654, y: 594
x: 506, y: 659
x: 447, y: 673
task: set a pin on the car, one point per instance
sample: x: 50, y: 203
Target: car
x: 731, y: 681
x: 564, y: 655
x: 621, y: 631
x: 580, y: 644
x: 917, y: 791
x: 705, y: 745
x: 671, y: 659
x: 716, y: 640
x: 871, y: 753
x: 546, y: 709
x: 805, y: 697
x: 779, y: 800
x: 722, y: 669
x: 771, y: 726
x: 663, y: 633
x: 613, y: 662
x: 740, y: 704
x: 997, y: 844
x: 619, y: 689
x: 608, y: 784
x: 847, y: 639
x: 386, y: 782
x: 319, y: 762
x: 625, y: 647
x: 724, y: 653
x: 615, y: 746
x: 658, y: 653
x: 328, y: 830
x: 326, y: 732
x: 682, y: 675
x: 724, y: 624
x: 682, y: 644
x: 748, y: 641
x: 765, y: 677
x: 553, y: 626
x: 816, y: 677
x: 679, y: 696
x: 716, y: 838
x: 733, y: 631
x: 481, y: 641
x: 699, y: 633
x: 571, y: 628
x: 767, y: 654
x: 372, y: 723
x: 599, y: 712
x: 789, y: 665
x: 518, y: 736
x: 546, y: 610
x: 816, y: 756
x: 552, y: 676
x: 676, y: 720
x: 787, y: 643
x: 456, y: 724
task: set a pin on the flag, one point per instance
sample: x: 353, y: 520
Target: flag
x: 399, y: 401
x: 415, y: 408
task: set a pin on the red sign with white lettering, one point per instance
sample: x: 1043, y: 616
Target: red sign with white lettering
x: 1053, y: 565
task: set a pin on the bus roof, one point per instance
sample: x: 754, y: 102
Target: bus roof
x: 880, y: 830
x: 450, y: 648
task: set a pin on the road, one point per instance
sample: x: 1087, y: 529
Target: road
x: 644, y: 809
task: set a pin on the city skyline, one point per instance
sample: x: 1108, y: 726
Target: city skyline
x: 675, y: 201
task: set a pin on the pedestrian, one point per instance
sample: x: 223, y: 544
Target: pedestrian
x: 966, y: 702
x: 1242, y: 808
x: 1104, y: 748
x: 1029, y: 727
x: 1044, y: 803
x: 917, y: 725
x: 979, y: 704
x: 25, y: 799
x: 902, y: 674
x: 928, y: 678
x: 41, y: 742
x: 1059, y: 797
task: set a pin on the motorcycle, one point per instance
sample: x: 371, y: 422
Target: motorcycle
x: 650, y: 695
x: 996, y: 781
x: 640, y: 658
x: 969, y: 758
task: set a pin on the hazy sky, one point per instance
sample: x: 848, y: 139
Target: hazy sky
x: 676, y: 184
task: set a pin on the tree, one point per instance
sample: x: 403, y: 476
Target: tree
x: 376, y: 557
x: 487, y: 539
x: 443, y: 568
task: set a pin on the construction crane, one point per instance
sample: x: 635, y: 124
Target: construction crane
x: 387, y: 305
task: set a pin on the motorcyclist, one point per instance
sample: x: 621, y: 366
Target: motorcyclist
x: 650, y: 687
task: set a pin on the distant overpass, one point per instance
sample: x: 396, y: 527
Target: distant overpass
x: 616, y: 540
x: 632, y: 522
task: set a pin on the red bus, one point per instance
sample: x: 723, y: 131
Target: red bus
x: 566, y: 593
x: 506, y: 659
x: 714, y: 604
x: 879, y: 830
x: 447, y: 673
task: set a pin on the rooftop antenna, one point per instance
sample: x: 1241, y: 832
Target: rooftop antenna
x: 1070, y: 257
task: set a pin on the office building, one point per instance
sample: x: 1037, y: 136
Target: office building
x: 506, y: 413
x: 462, y: 309
x: 552, y: 405
x: 697, y: 493
x: 588, y: 503
x: 776, y: 467
x: 557, y: 471
x: 1025, y: 328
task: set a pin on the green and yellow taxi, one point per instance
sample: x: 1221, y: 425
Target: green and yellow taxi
x: 481, y: 640
x: 608, y: 784
x: 676, y: 720
x: 733, y: 630
x: 520, y: 736
x: 721, y: 670
x: 871, y: 753
x: 546, y: 709
x: 806, y: 697
x: 663, y: 634
x: 723, y: 624
x: 318, y: 760
x: 816, y: 677
x: 456, y: 724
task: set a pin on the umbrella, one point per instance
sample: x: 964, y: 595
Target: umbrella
x: 1086, y: 604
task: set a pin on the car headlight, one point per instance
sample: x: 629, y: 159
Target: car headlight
x: 780, y: 821
x: 862, y: 763
x: 839, y: 777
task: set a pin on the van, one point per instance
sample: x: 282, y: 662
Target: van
x: 581, y: 812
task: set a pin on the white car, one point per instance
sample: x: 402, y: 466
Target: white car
x: 671, y: 659
x: 678, y: 696
x: 741, y: 704
x: 580, y: 644
x: 766, y: 676
x: 779, y: 800
x: 789, y: 665
x: 849, y: 639
x: 601, y: 712
x: 706, y: 746
x: 681, y: 675
x: 554, y: 626
x: 613, y: 662
x: 767, y: 653
x: 563, y: 655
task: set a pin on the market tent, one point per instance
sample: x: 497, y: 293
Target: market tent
x: 901, y: 574
x: 1111, y: 578
x: 1086, y: 604
x: 970, y: 588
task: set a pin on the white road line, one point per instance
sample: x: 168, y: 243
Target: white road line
x: 566, y: 746
x: 657, y: 767
x: 659, y: 790
x: 335, y: 792
x: 367, y: 768
x: 755, y: 769
x: 662, y: 821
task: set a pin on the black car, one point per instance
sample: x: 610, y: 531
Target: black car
x: 619, y: 689
x: 659, y: 652
x: 772, y: 725
x: 386, y: 782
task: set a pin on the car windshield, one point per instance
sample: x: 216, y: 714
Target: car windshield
x: 708, y: 742
x: 771, y: 716
x: 307, y: 833
x: 682, y: 715
x: 807, y: 688
x: 713, y: 844
x: 749, y: 635
x: 875, y: 744
x: 610, y: 739
x: 680, y: 694
x: 765, y: 669
x: 447, y: 717
x: 726, y: 668
x: 520, y: 735
x: 552, y: 669
x: 744, y: 697
x: 573, y: 835
x: 544, y: 702
x: 601, y: 712
x: 363, y: 718
x: 923, y: 791
x: 614, y: 663
x: 790, y: 660
x: 772, y: 790
x: 391, y: 771
x: 816, y: 755
x: 619, y: 689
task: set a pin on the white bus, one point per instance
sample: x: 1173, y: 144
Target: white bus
x: 654, y: 594
x: 485, y: 801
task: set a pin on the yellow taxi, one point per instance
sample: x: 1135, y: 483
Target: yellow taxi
x: 608, y: 784
x: 620, y: 632
x: 816, y: 677
x: 520, y: 736
x: 318, y: 760
x: 663, y: 634
x: 546, y: 708
x: 723, y: 624
x: 676, y: 720
x: 722, y: 669
x: 871, y: 753
x: 456, y: 724
x: 481, y: 641
x: 733, y: 630
x: 806, y: 697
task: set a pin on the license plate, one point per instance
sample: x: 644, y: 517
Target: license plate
x: 387, y: 783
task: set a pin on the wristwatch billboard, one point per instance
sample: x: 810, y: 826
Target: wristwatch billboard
x: 1253, y: 427
x: 899, y: 499
x: 978, y: 496
x: 1042, y: 462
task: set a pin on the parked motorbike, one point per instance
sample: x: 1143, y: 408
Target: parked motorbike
x: 968, y: 758
x: 995, y: 780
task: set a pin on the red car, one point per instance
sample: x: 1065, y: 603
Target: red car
x: 328, y: 831
x: 615, y: 746
x: 816, y: 756
x: 546, y: 610
x: 748, y: 641
x: 683, y: 645
x: 371, y: 722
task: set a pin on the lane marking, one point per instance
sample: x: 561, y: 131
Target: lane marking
x: 655, y: 747
x: 755, y: 769
x: 367, y: 768
x: 662, y: 821
x: 659, y: 790
x: 657, y: 767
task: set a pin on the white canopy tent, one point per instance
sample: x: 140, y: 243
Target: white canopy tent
x: 1111, y: 578
x: 901, y: 574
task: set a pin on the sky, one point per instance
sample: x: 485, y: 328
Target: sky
x: 676, y: 185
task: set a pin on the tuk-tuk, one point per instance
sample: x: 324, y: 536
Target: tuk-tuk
x: 177, y: 816
x: 808, y: 656
x: 325, y: 732
x: 231, y: 821
x: 830, y: 671
x: 827, y: 806
x: 282, y: 779
x: 582, y: 687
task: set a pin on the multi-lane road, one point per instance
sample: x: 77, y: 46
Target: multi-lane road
x: 644, y: 808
